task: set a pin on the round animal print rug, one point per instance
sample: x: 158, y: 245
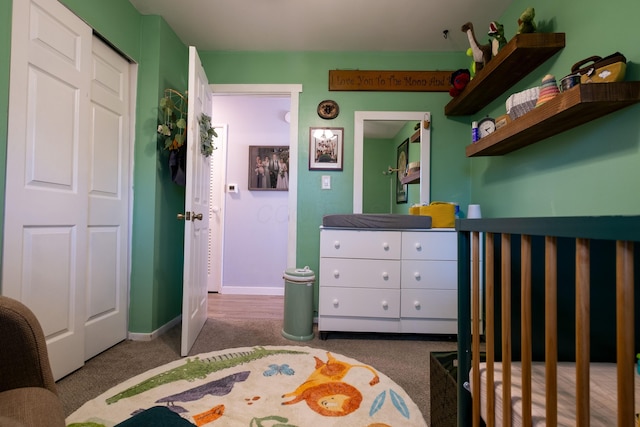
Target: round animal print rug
x: 286, y: 386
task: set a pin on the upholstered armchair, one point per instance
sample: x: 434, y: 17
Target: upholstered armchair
x: 28, y: 395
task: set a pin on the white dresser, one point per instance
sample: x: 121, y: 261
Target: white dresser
x: 388, y: 281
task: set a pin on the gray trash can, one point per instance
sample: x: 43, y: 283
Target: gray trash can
x: 298, y: 304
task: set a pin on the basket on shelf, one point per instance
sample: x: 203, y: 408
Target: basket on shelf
x: 521, y: 103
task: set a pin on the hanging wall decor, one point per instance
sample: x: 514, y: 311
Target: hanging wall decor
x: 172, y: 130
x: 207, y: 133
x: 173, y: 120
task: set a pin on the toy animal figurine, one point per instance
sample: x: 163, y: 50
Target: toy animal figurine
x: 525, y: 22
x: 496, y: 32
x: 459, y: 80
x: 481, y: 53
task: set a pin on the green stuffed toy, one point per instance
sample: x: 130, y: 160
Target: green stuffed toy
x: 525, y: 22
x: 498, y: 41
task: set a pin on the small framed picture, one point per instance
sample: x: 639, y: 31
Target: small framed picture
x: 401, y: 165
x: 268, y: 168
x: 326, y: 149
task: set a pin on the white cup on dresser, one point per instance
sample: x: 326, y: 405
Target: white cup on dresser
x: 473, y: 212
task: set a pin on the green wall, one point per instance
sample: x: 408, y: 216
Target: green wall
x: 589, y: 170
x: 450, y: 170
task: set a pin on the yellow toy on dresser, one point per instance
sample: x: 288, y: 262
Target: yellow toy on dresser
x: 443, y: 214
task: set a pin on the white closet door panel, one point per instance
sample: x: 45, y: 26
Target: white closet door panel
x: 104, y: 265
x: 49, y: 277
x: 430, y: 274
x: 360, y: 273
x: 360, y: 244
x: 434, y: 245
x: 108, y: 223
x: 106, y: 148
x: 45, y: 242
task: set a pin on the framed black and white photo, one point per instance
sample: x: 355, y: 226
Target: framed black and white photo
x: 402, y: 160
x: 268, y: 168
x: 326, y: 148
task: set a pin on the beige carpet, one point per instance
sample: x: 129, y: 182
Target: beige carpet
x: 289, y: 385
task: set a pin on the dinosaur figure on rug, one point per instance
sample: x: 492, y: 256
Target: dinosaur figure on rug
x: 481, y: 53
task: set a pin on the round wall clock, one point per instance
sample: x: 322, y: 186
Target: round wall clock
x: 328, y: 109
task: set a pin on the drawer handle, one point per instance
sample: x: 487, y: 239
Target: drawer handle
x: 385, y: 246
x: 336, y: 244
x: 417, y: 275
x: 418, y: 246
x: 335, y: 302
x: 385, y: 304
x: 336, y: 273
x: 385, y: 275
x: 416, y: 304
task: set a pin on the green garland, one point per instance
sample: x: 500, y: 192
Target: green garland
x: 207, y: 133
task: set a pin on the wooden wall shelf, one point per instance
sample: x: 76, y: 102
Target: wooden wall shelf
x: 415, y: 137
x: 523, y: 54
x: 567, y: 110
x: 412, y: 178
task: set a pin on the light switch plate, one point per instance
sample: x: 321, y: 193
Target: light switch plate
x: 326, y: 182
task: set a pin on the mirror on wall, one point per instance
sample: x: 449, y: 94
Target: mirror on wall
x: 376, y: 135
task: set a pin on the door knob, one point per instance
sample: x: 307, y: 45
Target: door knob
x: 189, y: 216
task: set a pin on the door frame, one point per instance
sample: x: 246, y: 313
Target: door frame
x: 293, y: 91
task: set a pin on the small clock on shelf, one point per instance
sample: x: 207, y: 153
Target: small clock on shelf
x: 486, y: 127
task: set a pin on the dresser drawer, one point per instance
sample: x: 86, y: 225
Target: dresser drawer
x: 429, y: 274
x: 429, y: 303
x: 360, y: 244
x: 360, y: 273
x: 432, y: 245
x: 358, y: 302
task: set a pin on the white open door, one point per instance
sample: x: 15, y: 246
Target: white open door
x: 196, y: 216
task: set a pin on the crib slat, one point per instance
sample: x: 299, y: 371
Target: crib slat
x: 490, y: 335
x: 506, y: 328
x: 625, y: 332
x: 525, y: 327
x: 551, y: 331
x: 475, y: 323
x: 582, y: 332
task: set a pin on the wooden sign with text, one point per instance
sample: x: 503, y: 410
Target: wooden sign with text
x: 399, y: 81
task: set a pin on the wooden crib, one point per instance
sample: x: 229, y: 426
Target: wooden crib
x: 563, y: 311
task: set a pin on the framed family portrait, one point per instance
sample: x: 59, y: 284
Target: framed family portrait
x: 401, y: 165
x: 268, y: 168
x: 326, y: 148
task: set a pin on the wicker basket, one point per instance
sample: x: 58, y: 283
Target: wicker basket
x: 444, y: 389
x: 521, y: 103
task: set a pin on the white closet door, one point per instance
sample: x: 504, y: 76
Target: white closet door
x: 45, y: 230
x: 107, y: 268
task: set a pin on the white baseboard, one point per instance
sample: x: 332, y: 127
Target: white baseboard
x: 246, y: 290
x: 137, y: 336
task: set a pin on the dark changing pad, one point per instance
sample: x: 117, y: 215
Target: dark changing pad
x: 388, y: 221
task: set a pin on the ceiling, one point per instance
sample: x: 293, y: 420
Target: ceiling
x: 328, y: 25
